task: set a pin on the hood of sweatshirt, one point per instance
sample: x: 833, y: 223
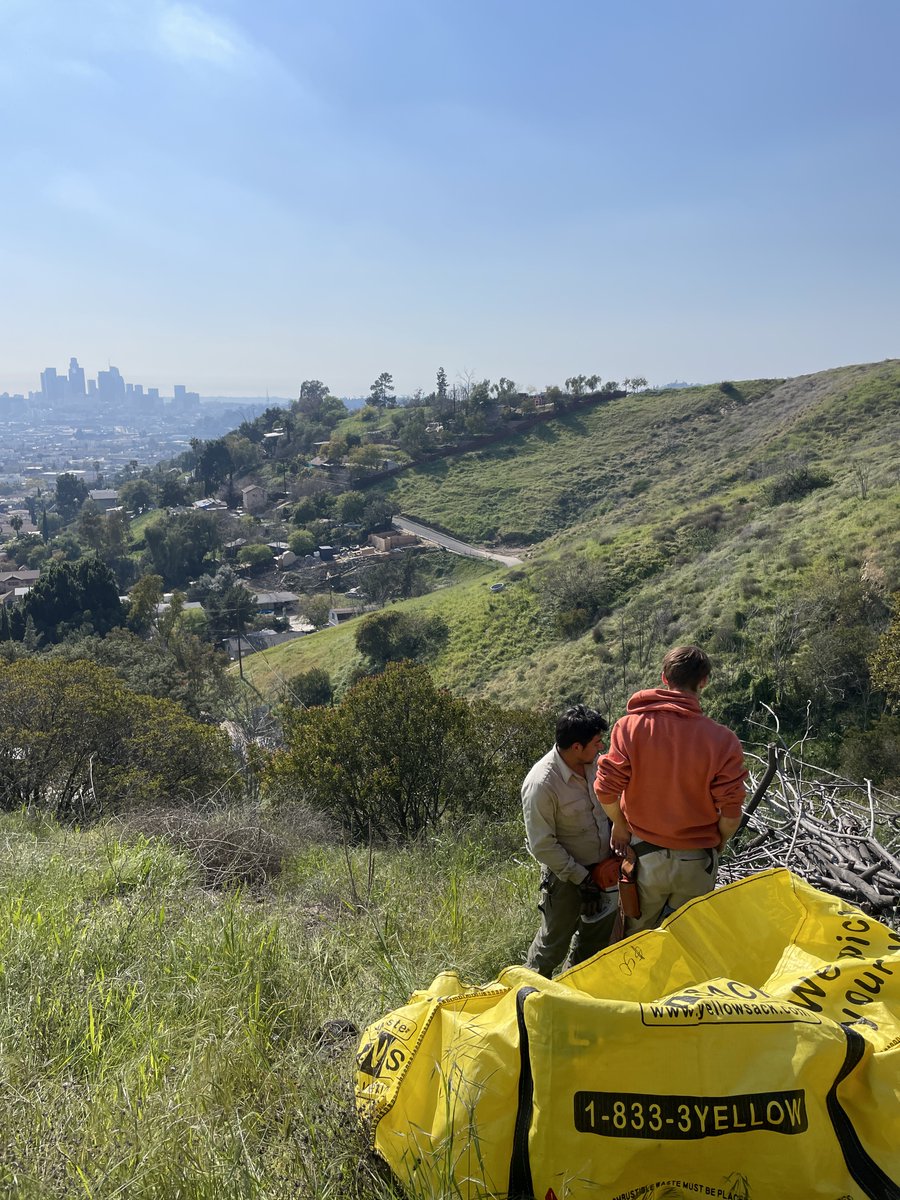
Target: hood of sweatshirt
x: 664, y: 700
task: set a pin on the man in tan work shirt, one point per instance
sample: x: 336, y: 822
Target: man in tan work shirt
x: 567, y: 833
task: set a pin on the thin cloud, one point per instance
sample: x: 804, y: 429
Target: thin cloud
x: 189, y: 34
x: 103, y: 204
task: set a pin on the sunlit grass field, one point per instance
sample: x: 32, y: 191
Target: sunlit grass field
x: 487, y: 629
x: 159, y: 1040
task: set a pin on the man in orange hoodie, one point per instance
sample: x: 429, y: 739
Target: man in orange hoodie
x: 673, y: 784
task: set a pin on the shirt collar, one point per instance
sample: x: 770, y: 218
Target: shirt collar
x: 564, y: 769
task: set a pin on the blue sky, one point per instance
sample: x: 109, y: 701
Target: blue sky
x: 238, y: 196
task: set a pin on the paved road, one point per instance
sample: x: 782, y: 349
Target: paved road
x: 454, y: 545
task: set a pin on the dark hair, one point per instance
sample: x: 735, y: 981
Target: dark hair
x: 578, y: 724
x: 686, y: 667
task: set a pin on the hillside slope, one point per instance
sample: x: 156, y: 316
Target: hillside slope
x: 704, y: 514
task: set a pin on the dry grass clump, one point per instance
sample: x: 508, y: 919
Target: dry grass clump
x: 244, y: 846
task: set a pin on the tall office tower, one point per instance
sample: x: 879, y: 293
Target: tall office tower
x: 152, y: 393
x: 180, y: 391
x: 111, y: 385
x: 76, y: 379
x: 92, y: 387
x: 51, y: 384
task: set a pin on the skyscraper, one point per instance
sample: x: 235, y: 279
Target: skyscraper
x: 51, y: 385
x: 76, y: 379
x: 111, y: 385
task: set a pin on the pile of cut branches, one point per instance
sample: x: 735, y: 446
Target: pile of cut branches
x: 839, y: 836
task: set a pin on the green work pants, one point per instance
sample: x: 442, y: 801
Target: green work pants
x: 563, y: 929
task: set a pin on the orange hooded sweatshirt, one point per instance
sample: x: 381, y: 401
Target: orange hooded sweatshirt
x: 676, y: 770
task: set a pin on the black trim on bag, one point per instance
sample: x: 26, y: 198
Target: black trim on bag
x: 521, y: 1185
x: 863, y: 1168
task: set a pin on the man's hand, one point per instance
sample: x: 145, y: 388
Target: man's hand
x: 593, y: 898
x: 619, y: 838
x: 620, y: 834
x: 728, y: 827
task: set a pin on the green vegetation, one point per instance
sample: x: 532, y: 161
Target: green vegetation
x: 161, y: 1041
x: 395, y: 636
x: 759, y: 518
x: 196, y: 928
x: 68, y: 598
x: 398, y: 755
x: 75, y: 742
x: 528, y: 487
x: 486, y: 631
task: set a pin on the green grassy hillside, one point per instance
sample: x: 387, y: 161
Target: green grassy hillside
x: 529, y: 486
x: 750, y: 517
x: 487, y: 631
x: 664, y: 447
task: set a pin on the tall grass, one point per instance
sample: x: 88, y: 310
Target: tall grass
x: 159, y: 1040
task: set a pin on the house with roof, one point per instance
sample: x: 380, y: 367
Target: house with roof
x: 277, y: 603
x: 254, y: 498
x: 20, y: 578
x: 104, y: 498
x: 262, y: 639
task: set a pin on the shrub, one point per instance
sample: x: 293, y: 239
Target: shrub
x: 76, y: 741
x: 874, y: 753
x: 398, y: 754
x: 312, y: 688
x: 576, y: 592
x: 232, y: 847
x: 885, y: 661
x: 731, y: 390
x: 794, y: 485
x: 255, y: 555
x: 394, y: 636
x: 302, y: 542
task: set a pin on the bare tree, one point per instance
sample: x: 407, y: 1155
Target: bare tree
x: 861, y: 474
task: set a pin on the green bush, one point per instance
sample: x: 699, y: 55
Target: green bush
x: 874, y: 753
x: 395, y: 636
x: 885, y: 661
x: 76, y: 741
x: 312, y: 688
x: 302, y: 542
x: 399, y: 754
x: 255, y: 555
x: 794, y: 485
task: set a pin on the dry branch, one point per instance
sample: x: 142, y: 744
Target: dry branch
x: 840, y: 836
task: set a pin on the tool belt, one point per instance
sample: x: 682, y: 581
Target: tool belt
x: 621, y: 873
x: 629, y: 902
x: 642, y: 849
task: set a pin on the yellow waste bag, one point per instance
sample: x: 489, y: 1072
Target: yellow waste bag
x: 749, y: 1049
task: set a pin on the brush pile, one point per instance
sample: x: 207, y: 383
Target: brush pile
x: 839, y: 836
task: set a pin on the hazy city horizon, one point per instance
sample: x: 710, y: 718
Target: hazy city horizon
x: 237, y: 198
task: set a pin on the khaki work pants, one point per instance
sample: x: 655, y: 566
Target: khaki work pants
x: 564, y: 930
x: 666, y: 879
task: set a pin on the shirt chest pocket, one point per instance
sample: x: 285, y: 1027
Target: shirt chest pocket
x: 574, y: 814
